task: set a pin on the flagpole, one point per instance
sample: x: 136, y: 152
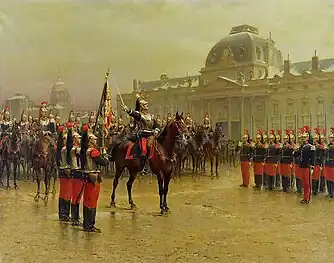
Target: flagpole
x: 101, y: 101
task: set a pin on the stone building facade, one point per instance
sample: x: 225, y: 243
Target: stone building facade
x: 245, y: 84
x: 18, y: 103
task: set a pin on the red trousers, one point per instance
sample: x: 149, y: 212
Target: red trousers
x: 77, y: 190
x: 65, y: 188
x: 306, y: 179
x: 297, y: 171
x: 329, y: 173
x: 258, y: 168
x: 245, y: 172
x: 316, y: 172
x: 285, y: 169
x: 91, y: 194
x: 270, y: 169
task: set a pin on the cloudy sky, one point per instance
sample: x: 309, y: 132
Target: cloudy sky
x: 140, y: 39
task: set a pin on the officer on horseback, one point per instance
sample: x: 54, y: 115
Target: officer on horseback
x: 146, y: 126
x: 6, y: 124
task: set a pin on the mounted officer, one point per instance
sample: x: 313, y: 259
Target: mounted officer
x: 43, y: 117
x: 146, y: 126
x: 6, y: 124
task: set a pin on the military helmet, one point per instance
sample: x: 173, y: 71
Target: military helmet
x: 331, y: 135
x: 286, y: 135
x: 246, y: 135
x: 259, y: 134
x: 272, y: 134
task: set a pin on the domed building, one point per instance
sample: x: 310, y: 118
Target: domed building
x: 246, y: 85
x: 60, y: 99
x: 243, y: 53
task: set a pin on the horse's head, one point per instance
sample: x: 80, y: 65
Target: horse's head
x: 174, y: 128
x: 177, y: 126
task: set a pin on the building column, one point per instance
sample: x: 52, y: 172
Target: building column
x: 268, y: 114
x: 229, y: 124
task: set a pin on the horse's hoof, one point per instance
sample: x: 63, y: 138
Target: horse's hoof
x: 16, y: 187
x: 36, y: 198
x: 167, y: 210
x: 133, y: 206
x: 46, y: 199
x: 112, y: 204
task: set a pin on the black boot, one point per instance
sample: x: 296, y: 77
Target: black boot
x: 265, y: 180
x: 322, y: 184
x: 285, y: 184
x: 315, y: 184
x: 277, y: 181
x: 271, y: 182
x: 331, y: 191
x: 143, y: 165
x: 329, y: 188
x: 257, y: 181
x: 75, y: 218
x: 89, y: 220
x: 63, y: 210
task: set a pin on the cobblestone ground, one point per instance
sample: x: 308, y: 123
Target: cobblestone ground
x: 212, y: 220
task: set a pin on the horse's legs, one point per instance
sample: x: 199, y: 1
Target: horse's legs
x: 16, y: 166
x: 129, y: 184
x: 161, y: 193
x: 54, y: 175
x: 193, y: 162
x: 165, y: 192
x: 217, y: 163
x: 118, y: 173
x: 38, y: 180
x: 46, y: 183
x: 8, y: 165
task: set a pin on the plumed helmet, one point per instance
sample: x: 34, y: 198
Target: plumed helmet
x: 286, y: 135
x: 246, y: 135
x: 331, y: 135
x: 306, y: 132
x: 259, y: 134
x: 316, y: 135
x: 272, y: 135
x: 278, y: 135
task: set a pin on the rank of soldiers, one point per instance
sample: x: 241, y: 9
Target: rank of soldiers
x: 305, y: 160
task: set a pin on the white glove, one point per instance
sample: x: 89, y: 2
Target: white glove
x: 156, y: 131
x: 125, y: 108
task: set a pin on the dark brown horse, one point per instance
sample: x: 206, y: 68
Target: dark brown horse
x: 161, y: 159
x: 43, y: 153
x: 212, y: 148
x: 11, y: 154
x: 195, y: 147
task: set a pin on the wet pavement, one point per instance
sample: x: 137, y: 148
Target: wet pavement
x: 211, y: 220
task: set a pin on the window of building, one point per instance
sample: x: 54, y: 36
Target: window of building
x: 275, y: 110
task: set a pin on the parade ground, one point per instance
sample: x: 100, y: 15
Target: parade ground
x: 211, y: 220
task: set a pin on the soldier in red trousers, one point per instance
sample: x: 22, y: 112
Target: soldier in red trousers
x: 245, y: 148
x: 329, y: 164
x: 93, y: 157
x: 319, y: 161
x: 306, y: 165
x: 64, y: 202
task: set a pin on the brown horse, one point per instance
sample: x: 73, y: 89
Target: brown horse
x: 161, y: 159
x: 43, y: 153
x: 11, y: 154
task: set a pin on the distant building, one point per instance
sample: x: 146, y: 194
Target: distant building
x: 245, y: 84
x: 60, y: 99
x: 17, y: 104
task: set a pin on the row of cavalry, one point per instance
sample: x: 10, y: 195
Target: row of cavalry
x: 31, y: 155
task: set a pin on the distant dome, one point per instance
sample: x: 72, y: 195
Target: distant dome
x: 59, y: 94
x: 243, y: 46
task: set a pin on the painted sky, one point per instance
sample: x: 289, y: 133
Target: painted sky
x: 140, y: 39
